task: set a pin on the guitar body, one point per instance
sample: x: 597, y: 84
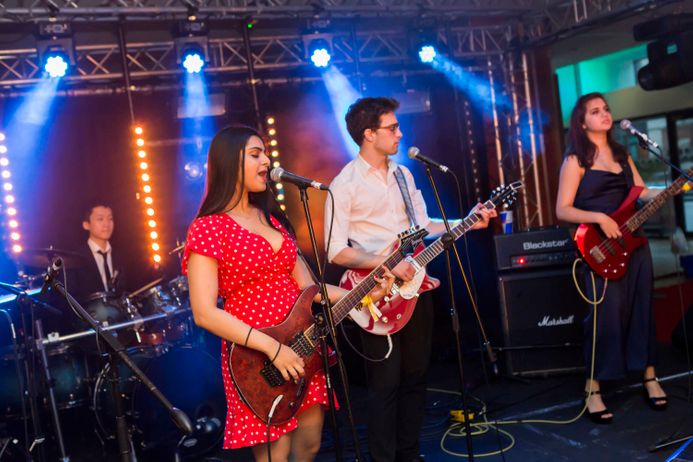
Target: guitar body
x: 250, y: 368
x: 609, y: 257
x: 396, y: 312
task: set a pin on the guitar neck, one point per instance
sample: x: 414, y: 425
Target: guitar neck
x: 433, y: 250
x: 655, y: 204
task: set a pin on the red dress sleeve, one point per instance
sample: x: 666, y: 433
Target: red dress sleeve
x: 204, y: 238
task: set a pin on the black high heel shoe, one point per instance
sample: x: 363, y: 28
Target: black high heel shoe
x: 657, y: 404
x: 598, y: 417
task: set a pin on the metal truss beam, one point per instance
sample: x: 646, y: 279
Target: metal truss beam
x: 20, y: 10
x: 281, y: 52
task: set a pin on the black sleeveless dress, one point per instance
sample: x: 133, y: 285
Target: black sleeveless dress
x: 625, y: 339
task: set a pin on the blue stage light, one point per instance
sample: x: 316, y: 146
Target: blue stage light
x: 320, y: 57
x: 427, y: 53
x: 193, y: 62
x: 56, y: 65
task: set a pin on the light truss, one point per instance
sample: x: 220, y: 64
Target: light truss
x: 281, y: 52
x: 13, y: 10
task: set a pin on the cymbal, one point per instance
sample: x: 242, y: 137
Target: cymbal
x: 43, y: 258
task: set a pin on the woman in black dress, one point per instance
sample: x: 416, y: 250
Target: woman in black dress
x: 596, y: 177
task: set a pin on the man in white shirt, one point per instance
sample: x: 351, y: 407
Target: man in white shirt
x: 369, y: 213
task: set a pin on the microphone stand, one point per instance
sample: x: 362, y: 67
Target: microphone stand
x: 325, y: 322
x: 449, y: 241
x: 643, y: 144
x: 117, y: 352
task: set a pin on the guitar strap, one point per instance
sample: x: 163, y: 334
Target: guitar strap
x: 404, y: 189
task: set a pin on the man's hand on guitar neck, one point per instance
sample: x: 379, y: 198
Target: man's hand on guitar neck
x: 484, y: 214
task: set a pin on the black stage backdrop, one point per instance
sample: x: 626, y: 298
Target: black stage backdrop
x: 86, y: 155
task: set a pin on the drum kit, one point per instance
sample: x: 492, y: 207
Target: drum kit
x: 153, y: 323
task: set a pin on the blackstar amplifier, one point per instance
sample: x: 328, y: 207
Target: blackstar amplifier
x: 534, y: 249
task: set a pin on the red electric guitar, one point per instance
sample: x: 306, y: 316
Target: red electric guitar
x: 609, y: 257
x: 395, y: 312
x: 260, y: 384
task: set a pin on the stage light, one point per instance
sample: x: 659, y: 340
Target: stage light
x: 10, y: 199
x: 272, y: 133
x: 191, y: 45
x: 193, y: 61
x: 318, y: 48
x: 55, y: 47
x: 193, y: 170
x: 148, y: 200
x: 427, y: 53
x: 320, y: 57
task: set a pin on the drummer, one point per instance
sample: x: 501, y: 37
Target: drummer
x: 103, y: 272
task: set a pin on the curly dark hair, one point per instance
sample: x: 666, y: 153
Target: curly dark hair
x: 365, y: 113
x: 578, y: 142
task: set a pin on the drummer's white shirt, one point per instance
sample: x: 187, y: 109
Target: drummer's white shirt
x: 99, y: 260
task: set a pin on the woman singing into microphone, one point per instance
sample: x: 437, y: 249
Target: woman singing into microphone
x: 242, y: 248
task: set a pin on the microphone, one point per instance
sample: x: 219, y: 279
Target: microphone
x: 279, y: 174
x: 50, y: 274
x: 415, y: 154
x: 628, y: 126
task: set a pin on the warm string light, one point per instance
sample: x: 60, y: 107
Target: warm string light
x: 9, y: 200
x: 274, y: 158
x: 146, y: 196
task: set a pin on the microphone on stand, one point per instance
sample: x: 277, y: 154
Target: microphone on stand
x: 50, y: 274
x: 628, y: 126
x: 279, y: 174
x: 415, y: 154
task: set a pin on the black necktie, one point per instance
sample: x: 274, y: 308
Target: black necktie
x: 106, y: 269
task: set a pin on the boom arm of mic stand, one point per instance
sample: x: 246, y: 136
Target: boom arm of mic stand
x: 179, y: 417
x: 643, y: 144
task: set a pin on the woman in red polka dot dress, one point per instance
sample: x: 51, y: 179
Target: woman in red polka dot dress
x: 242, y: 248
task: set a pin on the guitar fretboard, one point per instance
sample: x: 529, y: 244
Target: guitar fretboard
x: 655, y: 204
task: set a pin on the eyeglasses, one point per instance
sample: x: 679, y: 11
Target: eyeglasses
x: 393, y: 128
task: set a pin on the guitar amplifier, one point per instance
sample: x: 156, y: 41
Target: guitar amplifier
x: 541, y: 321
x: 534, y: 249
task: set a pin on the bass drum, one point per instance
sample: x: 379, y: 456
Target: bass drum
x: 69, y: 370
x: 189, y: 378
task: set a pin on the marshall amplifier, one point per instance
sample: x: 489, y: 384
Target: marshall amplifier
x: 534, y: 249
x: 541, y: 321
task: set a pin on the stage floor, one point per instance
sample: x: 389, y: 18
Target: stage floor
x: 635, y: 428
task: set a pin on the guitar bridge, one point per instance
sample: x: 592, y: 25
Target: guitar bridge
x: 272, y: 375
x: 597, y: 254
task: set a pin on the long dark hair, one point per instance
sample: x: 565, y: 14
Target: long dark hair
x: 225, y: 162
x: 578, y: 142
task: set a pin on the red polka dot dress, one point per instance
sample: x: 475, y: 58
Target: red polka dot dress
x: 258, y: 289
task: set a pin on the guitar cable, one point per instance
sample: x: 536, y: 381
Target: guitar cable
x: 480, y: 428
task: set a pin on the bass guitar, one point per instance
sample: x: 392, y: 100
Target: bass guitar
x: 609, y: 257
x: 394, y: 312
x: 260, y: 384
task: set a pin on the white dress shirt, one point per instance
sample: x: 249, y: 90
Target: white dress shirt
x: 369, y: 210
x: 99, y: 260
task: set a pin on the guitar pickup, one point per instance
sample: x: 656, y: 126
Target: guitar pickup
x: 272, y: 375
x: 597, y: 254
